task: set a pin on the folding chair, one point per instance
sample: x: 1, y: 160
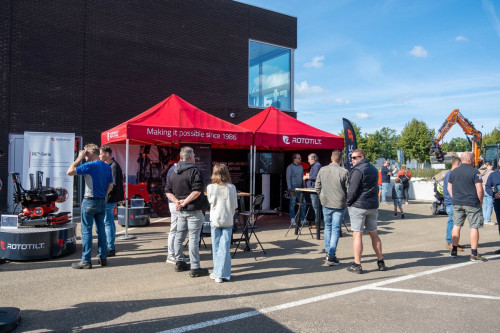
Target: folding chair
x: 206, y: 229
x: 250, y: 217
x: 299, y: 204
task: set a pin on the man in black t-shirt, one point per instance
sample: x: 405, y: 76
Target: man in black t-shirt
x: 466, y: 189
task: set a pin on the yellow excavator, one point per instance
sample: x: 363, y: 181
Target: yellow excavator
x: 456, y: 117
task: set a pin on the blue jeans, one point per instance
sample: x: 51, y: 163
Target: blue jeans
x: 109, y: 223
x: 173, y: 229
x: 315, y: 204
x: 487, y: 207
x: 221, y: 241
x: 496, y: 207
x: 93, y: 211
x: 385, y: 189
x: 333, y: 221
x: 449, y: 225
x: 191, y: 221
x: 293, y: 200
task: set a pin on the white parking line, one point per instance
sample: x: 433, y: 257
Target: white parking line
x: 373, y: 286
x: 439, y: 293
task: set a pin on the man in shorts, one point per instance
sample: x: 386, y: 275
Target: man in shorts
x: 362, y: 203
x: 466, y: 188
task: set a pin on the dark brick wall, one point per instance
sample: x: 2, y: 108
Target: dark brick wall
x: 86, y: 66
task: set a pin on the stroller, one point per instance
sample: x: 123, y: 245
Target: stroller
x: 438, y: 207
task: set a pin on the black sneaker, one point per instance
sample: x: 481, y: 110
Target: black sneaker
x: 81, y: 265
x: 332, y: 261
x: 102, y: 262
x: 381, y: 265
x: 111, y: 253
x: 453, y: 254
x: 402, y: 215
x: 181, y: 266
x: 355, y: 269
x: 395, y: 214
x: 198, y: 272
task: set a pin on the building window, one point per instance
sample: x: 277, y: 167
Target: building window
x: 269, y: 76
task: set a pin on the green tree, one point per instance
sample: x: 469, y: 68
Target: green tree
x: 382, y: 143
x: 416, y: 139
x: 372, y: 146
x: 492, y: 138
x: 456, y: 145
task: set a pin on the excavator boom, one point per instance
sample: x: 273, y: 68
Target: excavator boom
x: 456, y: 117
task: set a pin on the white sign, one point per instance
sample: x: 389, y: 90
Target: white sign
x: 52, y: 154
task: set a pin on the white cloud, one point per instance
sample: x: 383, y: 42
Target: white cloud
x: 362, y: 115
x: 461, y: 39
x: 419, y: 52
x: 303, y: 89
x: 316, y: 62
x: 488, y: 5
x: 342, y: 101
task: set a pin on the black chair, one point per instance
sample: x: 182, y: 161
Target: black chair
x: 300, y: 205
x: 206, y: 229
x: 249, y: 225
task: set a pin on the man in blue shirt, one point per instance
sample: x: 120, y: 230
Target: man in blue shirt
x: 386, y: 181
x: 310, y: 179
x: 98, y: 184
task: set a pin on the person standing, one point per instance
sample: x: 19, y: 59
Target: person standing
x: 466, y: 189
x: 173, y: 224
x: 386, y: 180
x: 486, y: 170
x: 310, y: 180
x: 362, y: 203
x: 493, y: 189
x: 405, y: 176
x: 115, y: 196
x: 184, y: 188
x: 223, y: 203
x: 448, y: 202
x: 331, y: 185
x: 98, y: 184
x: 397, y: 197
x: 294, y: 174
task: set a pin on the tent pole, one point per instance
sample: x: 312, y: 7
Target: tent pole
x: 126, y: 236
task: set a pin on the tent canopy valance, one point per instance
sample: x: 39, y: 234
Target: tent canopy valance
x: 174, y: 120
x: 275, y: 130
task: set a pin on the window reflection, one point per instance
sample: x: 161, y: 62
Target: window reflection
x: 269, y: 76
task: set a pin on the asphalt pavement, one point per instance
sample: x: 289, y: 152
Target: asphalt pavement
x: 291, y: 289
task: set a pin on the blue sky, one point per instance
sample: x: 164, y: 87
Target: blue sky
x: 382, y: 63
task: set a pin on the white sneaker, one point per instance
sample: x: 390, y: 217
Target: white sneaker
x: 292, y: 222
x: 489, y: 223
x: 170, y: 260
x: 212, y: 276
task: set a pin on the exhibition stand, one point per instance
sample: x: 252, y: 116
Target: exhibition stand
x: 137, y: 216
x: 37, y: 243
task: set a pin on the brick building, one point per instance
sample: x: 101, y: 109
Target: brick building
x: 83, y: 66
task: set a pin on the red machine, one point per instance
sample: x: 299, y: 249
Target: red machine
x: 38, y: 203
x: 136, y: 191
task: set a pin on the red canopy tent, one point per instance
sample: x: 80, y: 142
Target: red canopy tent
x: 275, y: 130
x: 174, y: 120
x: 171, y: 122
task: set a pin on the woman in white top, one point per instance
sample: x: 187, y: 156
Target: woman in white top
x: 222, y: 197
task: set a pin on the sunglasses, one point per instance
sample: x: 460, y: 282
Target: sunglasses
x: 355, y: 157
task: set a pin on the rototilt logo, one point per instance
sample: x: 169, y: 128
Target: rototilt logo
x: 308, y: 141
x: 70, y: 240
x: 11, y: 246
x: 60, y: 139
x: 111, y: 135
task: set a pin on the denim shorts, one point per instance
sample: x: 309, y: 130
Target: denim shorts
x: 398, y: 202
x: 473, y: 214
x: 366, y: 218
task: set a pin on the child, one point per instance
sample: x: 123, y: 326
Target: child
x: 397, y: 195
x: 223, y: 202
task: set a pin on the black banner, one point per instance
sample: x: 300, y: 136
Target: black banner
x: 350, y: 142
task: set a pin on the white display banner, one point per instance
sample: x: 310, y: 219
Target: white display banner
x: 52, y: 154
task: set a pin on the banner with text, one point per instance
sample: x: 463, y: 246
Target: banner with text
x: 350, y: 142
x: 52, y: 154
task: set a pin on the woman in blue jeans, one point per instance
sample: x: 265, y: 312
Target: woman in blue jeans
x: 222, y: 197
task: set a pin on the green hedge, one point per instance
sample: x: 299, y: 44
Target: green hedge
x: 425, y: 173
